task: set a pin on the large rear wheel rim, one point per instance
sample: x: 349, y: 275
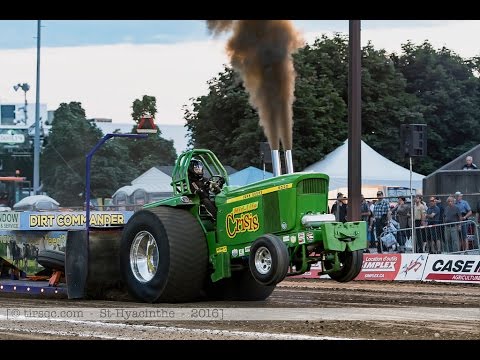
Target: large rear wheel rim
x: 263, y: 260
x: 144, y: 256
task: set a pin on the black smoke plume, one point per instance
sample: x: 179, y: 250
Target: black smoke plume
x: 261, y: 51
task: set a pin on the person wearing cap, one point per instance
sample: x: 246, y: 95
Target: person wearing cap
x: 451, y: 217
x: 381, y: 212
x: 403, y: 215
x: 419, y: 211
x: 433, y: 218
x: 469, y: 165
x: 466, y: 212
x: 339, y: 209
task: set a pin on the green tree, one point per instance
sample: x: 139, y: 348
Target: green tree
x: 421, y: 85
x: 225, y: 117
x: 224, y: 122
x: 448, y: 89
x: 112, y: 168
x: 114, y: 165
x: 146, y: 106
x: 320, y: 119
x: 385, y: 104
x: 319, y: 113
x: 153, y: 151
x: 63, y: 159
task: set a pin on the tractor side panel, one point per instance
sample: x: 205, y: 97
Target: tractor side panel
x: 244, y: 218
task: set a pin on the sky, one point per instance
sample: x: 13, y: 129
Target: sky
x: 107, y: 64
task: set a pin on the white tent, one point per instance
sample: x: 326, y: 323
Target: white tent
x: 152, y: 185
x: 154, y: 176
x: 376, y: 169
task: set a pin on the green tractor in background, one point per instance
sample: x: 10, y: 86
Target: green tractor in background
x: 234, y: 243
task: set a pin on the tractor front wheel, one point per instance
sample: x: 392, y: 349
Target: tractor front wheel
x: 351, y: 265
x: 268, y: 260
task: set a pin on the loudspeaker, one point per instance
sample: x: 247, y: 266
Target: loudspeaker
x: 413, y: 139
x: 265, y: 153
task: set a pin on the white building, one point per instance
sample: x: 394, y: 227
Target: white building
x: 13, y: 115
x: 17, y: 128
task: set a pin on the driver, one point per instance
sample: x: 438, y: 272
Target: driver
x: 202, y: 186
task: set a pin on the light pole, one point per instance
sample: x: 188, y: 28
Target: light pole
x: 36, y: 142
x: 25, y: 87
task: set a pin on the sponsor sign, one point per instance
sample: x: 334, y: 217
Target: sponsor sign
x: 9, y: 220
x: 12, y: 138
x: 301, y: 238
x: 380, y: 267
x: 21, y: 248
x: 383, y: 267
x: 75, y: 220
x: 412, y: 266
x: 415, y: 267
x: 453, y: 268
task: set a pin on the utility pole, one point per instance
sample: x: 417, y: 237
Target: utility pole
x: 354, y: 122
x: 36, y: 143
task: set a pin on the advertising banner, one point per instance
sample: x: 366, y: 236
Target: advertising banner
x: 412, y: 266
x: 21, y: 248
x: 9, y: 220
x: 453, y: 268
x: 380, y: 267
x: 75, y: 220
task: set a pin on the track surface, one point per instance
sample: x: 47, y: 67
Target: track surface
x: 355, y: 310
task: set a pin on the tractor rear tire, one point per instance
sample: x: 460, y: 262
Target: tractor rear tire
x: 351, y: 266
x: 181, y: 255
x: 52, y: 259
x: 240, y: 287
x: 268, y: 260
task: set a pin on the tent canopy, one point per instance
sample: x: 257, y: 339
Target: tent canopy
x: 36, y: 203
x: 248, y: 175
x: 376, y: 169
x: 154, y: 176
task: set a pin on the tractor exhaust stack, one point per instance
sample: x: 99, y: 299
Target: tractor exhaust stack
x: 277, y: 168
x: 289, y: 161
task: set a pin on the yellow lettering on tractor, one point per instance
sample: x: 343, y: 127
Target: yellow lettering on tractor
x: 259, y: 192
x: 245, y: 222
x: 221, y: 249
x: 240, y: 224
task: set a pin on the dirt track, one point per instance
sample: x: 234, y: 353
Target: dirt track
x: 341, y: 317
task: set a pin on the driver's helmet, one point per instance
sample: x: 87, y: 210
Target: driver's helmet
x: 196, y: 168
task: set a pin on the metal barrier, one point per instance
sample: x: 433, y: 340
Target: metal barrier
x: 460, y: 237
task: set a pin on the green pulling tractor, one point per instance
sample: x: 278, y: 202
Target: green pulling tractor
x: 234, y: 243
